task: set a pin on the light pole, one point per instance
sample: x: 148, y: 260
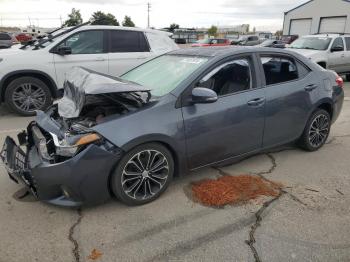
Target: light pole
x: 148, y: 10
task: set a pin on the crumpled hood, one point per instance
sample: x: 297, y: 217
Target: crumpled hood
x: 81, y: 82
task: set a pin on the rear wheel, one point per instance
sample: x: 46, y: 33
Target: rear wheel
x: 24, y: 95
x: 143, y: 174
x: 316, y: 131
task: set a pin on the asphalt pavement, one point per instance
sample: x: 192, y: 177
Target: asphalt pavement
x: 308, y: 222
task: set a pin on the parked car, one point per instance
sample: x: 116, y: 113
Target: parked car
x: 6, y: 40
x: 23, y: 37
x: 272, y: 43
x: 31, y: 75
x: 331, y: 51
x: 184, y: 110
x: 212, y: 42
x: 288, y: 39
x: 180, y: 41
x: 247, y: 40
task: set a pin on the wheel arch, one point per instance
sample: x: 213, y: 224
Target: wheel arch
x: 327, y: 105
x: 7, y: 79
x: 180, y: 166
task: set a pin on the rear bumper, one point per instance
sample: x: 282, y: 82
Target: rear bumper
x: 81, y: 180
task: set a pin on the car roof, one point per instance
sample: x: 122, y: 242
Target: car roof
x: 324, y: 35
x: 223, y: 51
x: 111, y: 27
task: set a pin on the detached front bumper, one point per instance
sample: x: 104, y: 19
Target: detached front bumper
x: 80, y: 180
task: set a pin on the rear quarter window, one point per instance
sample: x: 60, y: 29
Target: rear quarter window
x: 160, y: 43
x: 281, y: 69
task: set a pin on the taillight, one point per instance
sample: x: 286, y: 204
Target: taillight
x: 340, y: 81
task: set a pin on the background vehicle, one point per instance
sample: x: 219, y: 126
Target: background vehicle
x: 288, y: 39
x: 220, y: 105
x: 331, y: 51
x: 212, y: 42
x: 247, y: 40
x: 6, y: 40
x: 23, y: 37
x: 31, y: 75
x: 273, y: 43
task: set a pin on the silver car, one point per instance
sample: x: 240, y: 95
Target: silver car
x: 6, y: 40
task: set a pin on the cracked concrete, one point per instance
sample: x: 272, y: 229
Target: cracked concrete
x: 75, y: 249
x: 310, y: 222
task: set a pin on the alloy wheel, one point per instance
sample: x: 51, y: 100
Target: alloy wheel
x: 28, y: 97
x: 319, y: 130
x: 145, y: 174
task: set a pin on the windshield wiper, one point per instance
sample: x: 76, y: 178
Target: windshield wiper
x: 28, y: 43
x: 309, y: 48
x: 50, y: 37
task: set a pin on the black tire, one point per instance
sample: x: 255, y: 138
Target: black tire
x: 145, y: 184
x: 316, y: 131
x: 26, y: 94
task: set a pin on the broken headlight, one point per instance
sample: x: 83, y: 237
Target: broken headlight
x: 70, y: 145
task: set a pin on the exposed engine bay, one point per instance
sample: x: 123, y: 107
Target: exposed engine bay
x: 97, y: 107
x: 89, y: 99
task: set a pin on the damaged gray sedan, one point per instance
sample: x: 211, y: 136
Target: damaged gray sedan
x: 127, y: 137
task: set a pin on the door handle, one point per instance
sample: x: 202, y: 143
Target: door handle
x: 311, y: 87
x: 256, y: 101
x: 100, y: 59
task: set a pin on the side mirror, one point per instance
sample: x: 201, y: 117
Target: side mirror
x: 337, y: 48
x: 64, y: 50
x: 202, y: 95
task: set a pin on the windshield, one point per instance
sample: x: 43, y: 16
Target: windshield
x: 203, y: 41
x: 162, y: 75
x: 314, y: 43
x: 267, y: 43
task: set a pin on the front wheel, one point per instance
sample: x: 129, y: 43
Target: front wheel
x: 316, y: 131
x: 143, y: 174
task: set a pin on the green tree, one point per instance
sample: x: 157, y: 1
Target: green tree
x: 100, y: 18
x: 173, y: 26
x: 128, y: 22
x: 212, y: 30
x: 279, y: 33
x: 74, y: 18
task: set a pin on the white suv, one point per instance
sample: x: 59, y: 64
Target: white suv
x: 331, y: 51
x: 31, y: 75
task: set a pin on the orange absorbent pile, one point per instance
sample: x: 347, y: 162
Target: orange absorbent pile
x: 232, y: 190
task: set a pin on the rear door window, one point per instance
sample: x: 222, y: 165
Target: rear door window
x: 279, y: 69
x: 123, y: 41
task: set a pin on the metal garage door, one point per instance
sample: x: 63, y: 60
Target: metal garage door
x: 300, y: 27
x: 332, y: 24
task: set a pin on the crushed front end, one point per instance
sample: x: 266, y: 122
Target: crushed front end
x: 62, y: 180
x: 60, y: 158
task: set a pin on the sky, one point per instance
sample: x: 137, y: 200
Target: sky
x: 262, y: 14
